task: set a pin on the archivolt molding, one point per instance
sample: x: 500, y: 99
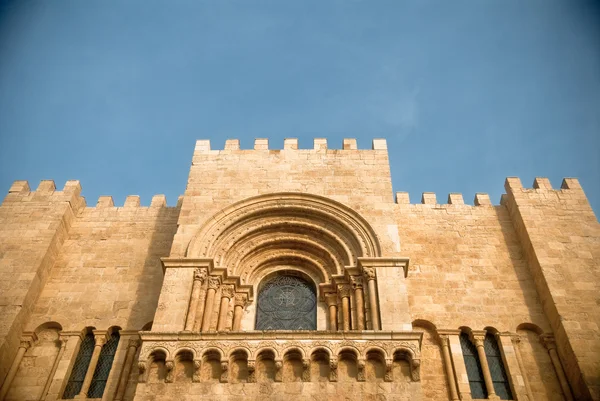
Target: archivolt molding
x: 233, y: 232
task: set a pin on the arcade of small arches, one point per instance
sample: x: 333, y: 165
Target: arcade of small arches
x: 288, y: 362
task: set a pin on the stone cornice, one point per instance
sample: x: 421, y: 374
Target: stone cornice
x: 283, y: 335
x: 379, y: 263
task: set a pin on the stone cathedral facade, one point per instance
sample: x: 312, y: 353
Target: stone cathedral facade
x: 294, y: 274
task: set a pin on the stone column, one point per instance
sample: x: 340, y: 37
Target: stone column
x: 61, y: 351
x: 516, y: 341
x: 344, y: 291
x: 445, y: 343
x: 199, y: 278
x: 478, y: 339
x: 550, y: 344
x: 213, y: 285
x: 227, y: 292
x: 357, y: 283
x: 333, y: 312
x: 369, y: 273
x: 100, y: 340
x: 24, y: 345
x: 131, y: 350
x: 238, y: 311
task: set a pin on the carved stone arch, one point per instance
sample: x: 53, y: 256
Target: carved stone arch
x: 152, y: 352
x: 374, y: 348
x: 294, y: 348
x: 183, y: 350
x: 212, y: 350
x: 319, y: 215
x: 259, y: 353
x: 348, y: 349
x: 320, y: 348
x: 237, y: 350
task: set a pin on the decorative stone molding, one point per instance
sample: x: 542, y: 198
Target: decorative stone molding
x: 169, y: 367
x: 369, y: 273
x: 197, y: 370
x: 344, y: 290
x: 200, y: 274
x: 356, y: 281
x: 227, y: 291
x: 214, y: 283
x: 360, y: 376
x: 241, y: 299
x: 389, y: 345
x: 389, y: 363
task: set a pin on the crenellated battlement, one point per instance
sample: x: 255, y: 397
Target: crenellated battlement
x: 262, y: 144
x: 540, y: 185
x: 20, y: 191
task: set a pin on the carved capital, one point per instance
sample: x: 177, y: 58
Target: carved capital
x: 331, y: 299
x: 415, y: 369
x: 388, y: 370
x: 133, y: 343
x: 141, y: 366
x: 26, y: 343
x: 251, y: 371
x: 197, y: 371
x: 357, y: 281
x: 548, y: 341
x: 241, y: 299
x: 369, y: 273
x: 99, y: 340
x: 214, y: 282
x: 344, y: 290
x: 169, y: 365
x: 306, y: 370
x: 477, y: 338
x: 200, y: 274
x: 361, y: 370
x: 333, y: 364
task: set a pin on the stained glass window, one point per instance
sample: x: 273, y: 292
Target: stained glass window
x: 286, y: 302
x: 80, y: 367
x: 107, y: 355
x: 473, y: 365
x: 497, y: 371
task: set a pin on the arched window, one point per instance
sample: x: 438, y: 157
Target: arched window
x: 86, y: 349
x: 497, y: 371
x: 286, y: 302
x: 107, y: 355
x: 474, y: 372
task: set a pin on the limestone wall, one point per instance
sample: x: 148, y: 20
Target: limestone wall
x: 33, y: 227
x: 108, y: 272
x: 357, y: 178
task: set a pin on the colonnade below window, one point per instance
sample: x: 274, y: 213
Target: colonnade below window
x: 285, y: 301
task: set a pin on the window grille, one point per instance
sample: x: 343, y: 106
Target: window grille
x: 474, y: 372
x: 107, y: 355
x: 80, y: 367
x: 497, y: 371
x: 286, y: 303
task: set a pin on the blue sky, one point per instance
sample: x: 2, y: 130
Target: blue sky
x: 115, y: 93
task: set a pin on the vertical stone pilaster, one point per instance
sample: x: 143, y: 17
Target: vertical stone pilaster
x: 513, y: 369
x: 132, y: 347
x: 550, y: 344
x: 24, y: 345
x: 344, y: 290
x: 332, y: 306
x: 213, y: 285
x: 227, y: 292
x: 61, y: 351
x: 448, y: 368
x: 239, y: 304
x: 199, y: 278
x: 357, y: 283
